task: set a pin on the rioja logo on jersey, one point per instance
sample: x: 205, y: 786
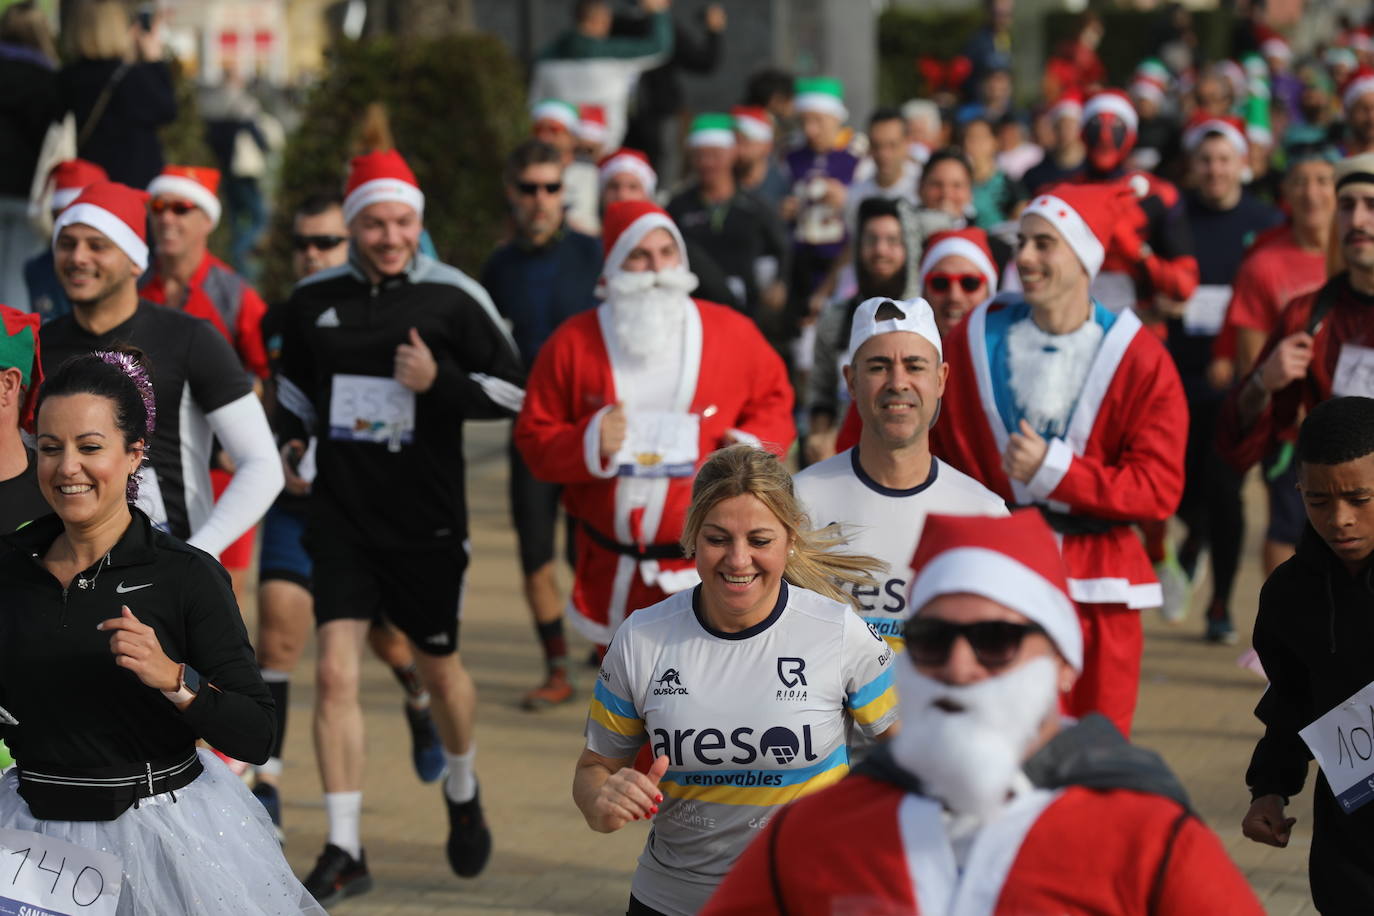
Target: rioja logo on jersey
x: 669, y: 683
x: 792, y: 673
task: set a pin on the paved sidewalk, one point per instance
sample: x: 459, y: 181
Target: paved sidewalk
x: 1196, y: 709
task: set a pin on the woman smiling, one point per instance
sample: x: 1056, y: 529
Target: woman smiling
x: 742, y: 687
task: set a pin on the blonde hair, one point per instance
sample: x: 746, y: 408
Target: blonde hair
x: 812, y: 563
x: 100, y: 31
x: 25, y: 24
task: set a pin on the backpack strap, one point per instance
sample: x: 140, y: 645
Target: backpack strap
x: 1326, y: 298
x: 101, y: 104
x: 1157, y: 886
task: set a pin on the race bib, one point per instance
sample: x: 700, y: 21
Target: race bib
x: 1342, y: 741
x: 659, y: 443
x: 44, y: 876
x: 366, y: 408
x: 1354, y: 372
x: 1115, y: 290
x: 1205, y: 312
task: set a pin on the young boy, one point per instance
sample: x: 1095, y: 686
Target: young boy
x: 1313, y: 634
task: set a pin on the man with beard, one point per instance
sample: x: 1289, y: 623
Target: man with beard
x: 987, y: 801
x: 625, y: 402
x: 1357, y: 97
x: 1055, y: 401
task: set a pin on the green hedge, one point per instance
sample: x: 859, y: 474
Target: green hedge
x: 904, y: 36
x: 456, y: 107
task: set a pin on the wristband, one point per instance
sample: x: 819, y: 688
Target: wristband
x: 183, y: 692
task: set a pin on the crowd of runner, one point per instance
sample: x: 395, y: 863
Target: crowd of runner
x: 862, y: 440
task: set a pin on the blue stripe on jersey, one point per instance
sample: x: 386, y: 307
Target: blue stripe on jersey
x: 871, y: 691
x: 740, y: 778
x: 614, y: 703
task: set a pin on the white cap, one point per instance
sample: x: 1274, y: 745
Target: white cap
x: 916, y: 317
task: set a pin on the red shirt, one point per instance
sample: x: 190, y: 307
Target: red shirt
x: 224, y: 299
x: 1270, y: 277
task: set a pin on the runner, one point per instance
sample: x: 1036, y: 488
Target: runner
x: 21, y: 372
x: 625, y: 402
x: 69, y: 178
x: 385, y: 357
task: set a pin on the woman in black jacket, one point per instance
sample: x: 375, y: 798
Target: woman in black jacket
x: 106, y: 53
x: 119, y: 647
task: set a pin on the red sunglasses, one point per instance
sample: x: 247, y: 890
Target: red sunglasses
x: 179, y: 207
x: 941, y: 282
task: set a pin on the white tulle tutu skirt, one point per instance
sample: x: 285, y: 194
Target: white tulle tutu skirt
x: 212, y: 851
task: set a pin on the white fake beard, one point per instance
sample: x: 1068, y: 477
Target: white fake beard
x: 1048, y: 370
x: 969, y: 760
x: 647, y: 310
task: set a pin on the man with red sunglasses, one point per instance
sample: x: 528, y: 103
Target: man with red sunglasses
x: 987, y: 801
x: 957, y: 273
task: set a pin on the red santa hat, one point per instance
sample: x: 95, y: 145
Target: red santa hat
x: 631, y: 161
x: 625, y: 225
x: 971, y: 243
x: 1203, y: 125
x: 377, y: 177
x: 1275, y: 45
x: 591, y: 124
x: 19, y: 350
x: 881, y: 315
x: 754, y: 122
x: 195, y: 183
x: 1014, y: 561
x: 1113, y: 102
x: 70, y: 177
x: 1360, y: 82
x: 116, y: 211
x: 1085, y: 215
x: 1068, y: 105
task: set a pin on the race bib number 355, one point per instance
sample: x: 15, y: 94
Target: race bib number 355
x: 44, y: 876
x: 365, y: 408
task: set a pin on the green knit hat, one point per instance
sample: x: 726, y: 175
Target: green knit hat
x: 712, y: 129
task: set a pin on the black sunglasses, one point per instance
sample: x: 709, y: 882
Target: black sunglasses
x: 995, y: 643
x: 322, y: 242
x: 530, y: 188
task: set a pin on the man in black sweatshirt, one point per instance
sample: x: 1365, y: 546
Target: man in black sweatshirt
x: 1312, y: 635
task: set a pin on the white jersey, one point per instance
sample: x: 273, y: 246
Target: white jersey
x: 749, y: 721
x: 886, y: 523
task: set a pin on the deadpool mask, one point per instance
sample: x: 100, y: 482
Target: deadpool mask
x: 1109, y: 141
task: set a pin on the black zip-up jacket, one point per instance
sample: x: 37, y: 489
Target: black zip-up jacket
x: 1313, y: 635
x: 338, y: 323
x: 76, y: 708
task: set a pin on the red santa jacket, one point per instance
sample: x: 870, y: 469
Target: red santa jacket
x: 1121, y: 459
x: 224, y: 299
x: 739, y: 390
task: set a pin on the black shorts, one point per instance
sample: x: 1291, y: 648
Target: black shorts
x: 420, y: 591
x: 534, y: 511
x: 1287, y: 515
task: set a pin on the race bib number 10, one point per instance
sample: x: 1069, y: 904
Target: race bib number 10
x: 1342, y: 741
x: 366, y: 408
x: 44, y: 876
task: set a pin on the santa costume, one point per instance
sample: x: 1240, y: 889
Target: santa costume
x: 712, y: 380
x: 1108, y: 400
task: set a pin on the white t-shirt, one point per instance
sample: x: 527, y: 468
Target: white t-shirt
x: 749, y: 720
x: 886, y: 524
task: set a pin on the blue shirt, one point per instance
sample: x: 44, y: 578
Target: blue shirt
x: 46, y: 295
x: 537, y: 289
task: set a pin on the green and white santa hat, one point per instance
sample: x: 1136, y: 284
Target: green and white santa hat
x: 1258, y: 127
x: 823, y: 94
x: 558, y: 111
x: 712, y: 130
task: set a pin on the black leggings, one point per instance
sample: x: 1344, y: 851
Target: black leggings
x: 640, y: 909
x: 1211, y: 506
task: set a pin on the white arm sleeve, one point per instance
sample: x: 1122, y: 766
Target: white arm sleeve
x: 241, y: 427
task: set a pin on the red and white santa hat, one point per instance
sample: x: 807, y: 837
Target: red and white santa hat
x: 1085, y: 216
x: 1203, y: 125
x: 881, y: 315
x: 591, y: 124
x: 1068, y: 105
x: 379, y: 177
x: 632, y: 161
x: 1014, y: 561
x: 1360, y: 82
x: 70, y: 177
x: 1113, y: 102
x: 195, y: 183
x: 116, y: 211
x: 625, y: 225
x: 971, y: 243
x: 754, y: 122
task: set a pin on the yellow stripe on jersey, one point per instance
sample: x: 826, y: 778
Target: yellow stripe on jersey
x: 614, y: 713
x: 761, y: 796
x: 874, y: 700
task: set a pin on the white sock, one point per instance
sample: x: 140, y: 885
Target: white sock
x: 345, y: 810
x: 461, y: 784
x: 271, y: 768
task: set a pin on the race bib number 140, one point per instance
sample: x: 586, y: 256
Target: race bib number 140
x: 45, y: 876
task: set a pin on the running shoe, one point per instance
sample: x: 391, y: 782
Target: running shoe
x: 425, y: 750
x: 1177, y: 588
x: 469, y: 840
x: 1221, y: 633
x: 555, y: 691
x: 337, y: 875
x: 271, y: 800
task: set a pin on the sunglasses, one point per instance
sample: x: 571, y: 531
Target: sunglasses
x: 530, y: 188
x: 995, y: 643
x: 941, y: 282
x: 322, y: 242
x: 179, y: 207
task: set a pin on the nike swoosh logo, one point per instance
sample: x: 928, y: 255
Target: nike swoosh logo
x: 121, y: 590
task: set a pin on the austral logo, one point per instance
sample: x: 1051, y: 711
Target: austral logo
x: 669, y: 683
x: 792, y: 673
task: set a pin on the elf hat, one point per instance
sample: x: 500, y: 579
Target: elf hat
x: 1203, y: 125
x: 881, y: 315
x: 824, y: 94
x: 1085, y: 215
x: 625, y: 225
x: 591, y: 124
x: 1258, y: 127
x: 69, y: 177
x: 19, y: 350
x: 712, y: 130
x: 1013, y: 561
x: 1360, y: 82
x: 377, y: 177
x: 1143, y: 88
x: 971, y: 243
x: 754, y: 122
x: 556, y: 110
x: 194, y: 183
x: 115, y: 210
x: 632, y: 161
x: 1113, y: 102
